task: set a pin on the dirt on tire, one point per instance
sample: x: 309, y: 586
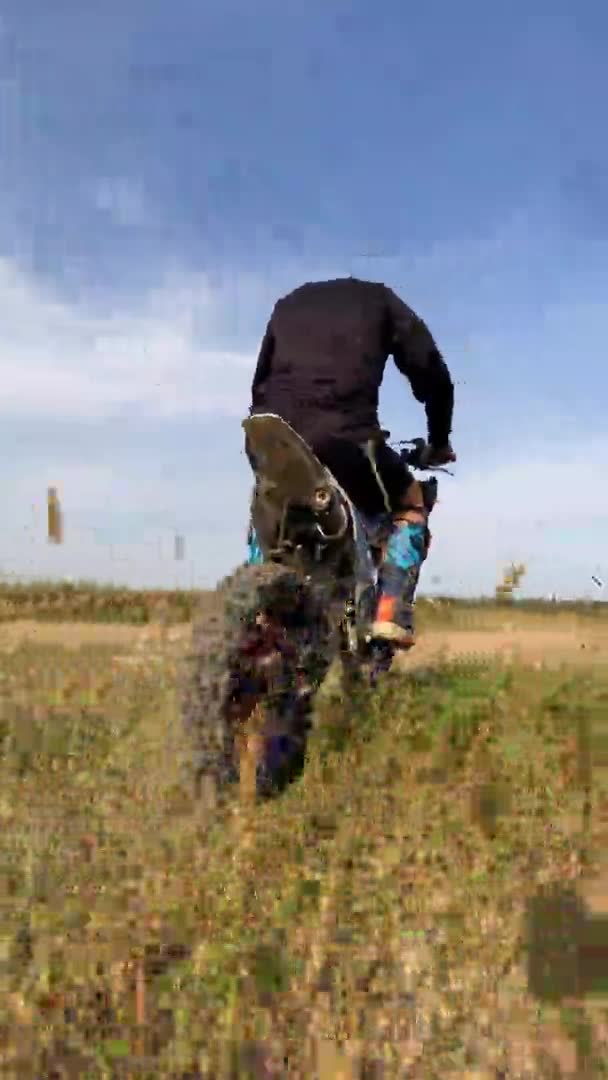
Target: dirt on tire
x: 227, y: 652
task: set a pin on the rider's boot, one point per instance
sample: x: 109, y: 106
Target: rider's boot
x: 398, y: 579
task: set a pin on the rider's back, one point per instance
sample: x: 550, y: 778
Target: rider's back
x: 323, y: 356
x: 329, y: 350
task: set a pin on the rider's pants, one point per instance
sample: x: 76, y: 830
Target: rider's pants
x: 254, y: 551
x: 398, y: 579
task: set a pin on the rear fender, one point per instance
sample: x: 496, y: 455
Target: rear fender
x: 292, y: 483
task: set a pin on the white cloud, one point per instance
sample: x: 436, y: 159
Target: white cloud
x: 549, y: 512
x: 88, y: 554
x: 62, y: 360
x: 163, y: 357
x: 92, y: 488
x: 121, y: 513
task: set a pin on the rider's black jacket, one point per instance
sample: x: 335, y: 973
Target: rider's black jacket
x: 323, y: 356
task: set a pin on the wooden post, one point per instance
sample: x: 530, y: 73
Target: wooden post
x: 55, y: 519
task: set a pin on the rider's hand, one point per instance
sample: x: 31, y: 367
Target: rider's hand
x: 435, y: 456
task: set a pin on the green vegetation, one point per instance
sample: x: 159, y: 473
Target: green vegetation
x: 409, y: 904
x: 89, y: 602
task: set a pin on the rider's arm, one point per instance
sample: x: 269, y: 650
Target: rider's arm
x: 262, y: 370
x: 418, y: 358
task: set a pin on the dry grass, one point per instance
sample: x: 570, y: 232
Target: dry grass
x: 412, y: 907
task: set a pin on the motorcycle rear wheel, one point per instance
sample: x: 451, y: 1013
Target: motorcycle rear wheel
x: 261, y: 653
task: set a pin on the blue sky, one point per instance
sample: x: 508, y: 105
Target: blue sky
x: 167, y: 173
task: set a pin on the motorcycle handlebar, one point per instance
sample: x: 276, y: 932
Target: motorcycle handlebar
x: 414, y: 457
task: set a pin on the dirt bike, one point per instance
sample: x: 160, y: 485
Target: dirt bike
x: 306, y: 595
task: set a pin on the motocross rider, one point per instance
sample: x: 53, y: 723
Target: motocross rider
x: 320, y: 366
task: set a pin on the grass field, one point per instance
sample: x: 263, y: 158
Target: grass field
x: 429, y: 900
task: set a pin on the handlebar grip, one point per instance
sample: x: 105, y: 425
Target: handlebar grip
x: 413, y: 456
x: 417, y: 457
